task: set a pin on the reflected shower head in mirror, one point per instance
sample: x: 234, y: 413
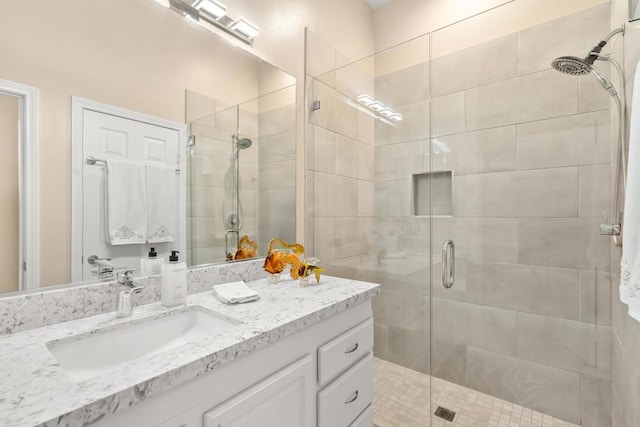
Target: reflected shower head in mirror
x: 243, y: 143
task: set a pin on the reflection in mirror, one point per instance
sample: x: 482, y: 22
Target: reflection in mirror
x: 242, y: 177
x: 18, y: 186
x: 10, y: 207
x: 634, y: 10
x: 145, y: 67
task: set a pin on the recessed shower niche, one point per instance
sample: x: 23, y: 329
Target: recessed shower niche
x: 432, y: 193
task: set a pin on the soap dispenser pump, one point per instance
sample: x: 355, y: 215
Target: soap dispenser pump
x: 151, y: 265
x: 173, y: 286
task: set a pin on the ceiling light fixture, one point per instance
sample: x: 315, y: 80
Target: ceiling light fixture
x: 186, y: 10
x: 379, y: 108
x: 215, y: 13
x: 211, y: 7
x: 366, y: 100
x: 244, y: 27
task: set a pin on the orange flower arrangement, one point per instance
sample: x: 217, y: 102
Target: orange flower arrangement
x: 309, y: 266
x: 278, y: 259
x: 289, y: 254
x: 247, y: 248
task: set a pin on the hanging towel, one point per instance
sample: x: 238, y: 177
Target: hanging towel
x: 630, y: 264
x: 126, y: 203
x: 234, y: 293
x: 162, y: 204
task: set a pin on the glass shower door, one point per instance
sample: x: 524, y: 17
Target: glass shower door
x: 213, y: 216
x: 369, y: 206
x: 520, y: 165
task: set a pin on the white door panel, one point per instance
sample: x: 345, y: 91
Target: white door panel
x: 107, y: 136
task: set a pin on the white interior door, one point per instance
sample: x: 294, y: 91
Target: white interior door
x: 109, y: 136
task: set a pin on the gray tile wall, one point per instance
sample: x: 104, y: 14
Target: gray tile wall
x: 529, y: 317
x: 276, y: 198
x: 340, y: 158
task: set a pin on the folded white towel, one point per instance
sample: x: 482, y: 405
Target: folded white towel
x: 162, y: 204
x: 630, y: 265
x: 234, y: 293
x: 126, y: 203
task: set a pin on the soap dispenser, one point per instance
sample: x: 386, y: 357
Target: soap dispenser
x: 173, y: 285
x: 151, y: 265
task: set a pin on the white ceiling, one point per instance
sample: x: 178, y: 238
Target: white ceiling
x: 377, y: 3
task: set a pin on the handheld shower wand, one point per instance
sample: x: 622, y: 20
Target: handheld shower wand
x: 575, y: 66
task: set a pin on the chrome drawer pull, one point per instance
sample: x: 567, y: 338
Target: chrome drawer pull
x: 352, y: 399
x: 352, y: 349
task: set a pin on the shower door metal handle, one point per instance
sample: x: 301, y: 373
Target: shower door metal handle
x: 448, y: 263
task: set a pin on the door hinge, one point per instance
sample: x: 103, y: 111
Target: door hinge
x: 24, y: 266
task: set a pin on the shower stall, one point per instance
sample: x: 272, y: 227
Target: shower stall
x: 470, y: 179
x: 241, y: 168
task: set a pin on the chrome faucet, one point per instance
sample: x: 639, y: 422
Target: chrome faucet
x: 124, y: 305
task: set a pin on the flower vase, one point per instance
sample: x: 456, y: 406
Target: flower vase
x: 274, y: 278
x: 304, y: 281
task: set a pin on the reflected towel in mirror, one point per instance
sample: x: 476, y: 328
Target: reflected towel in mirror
x: 162, y: 204
x: 126, y: 203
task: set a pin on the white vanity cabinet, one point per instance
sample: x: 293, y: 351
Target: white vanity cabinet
x: 278, y: 401
x: 320, y: 376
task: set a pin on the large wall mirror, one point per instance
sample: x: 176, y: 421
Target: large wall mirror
x: 232, y: 114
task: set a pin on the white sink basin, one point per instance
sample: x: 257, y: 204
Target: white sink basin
x: 92, y: 354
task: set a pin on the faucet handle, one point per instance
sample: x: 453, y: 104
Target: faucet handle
x: 126, y: 278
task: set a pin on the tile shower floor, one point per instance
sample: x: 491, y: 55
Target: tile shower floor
x: 401, y: 399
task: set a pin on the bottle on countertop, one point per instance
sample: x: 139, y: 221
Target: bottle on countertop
x: 151, y: 265
x: 173, y: 285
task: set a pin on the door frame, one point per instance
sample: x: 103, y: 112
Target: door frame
x: 29, y: 176
x: 78, y: 106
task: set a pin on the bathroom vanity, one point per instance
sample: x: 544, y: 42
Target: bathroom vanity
x: 299, y: 356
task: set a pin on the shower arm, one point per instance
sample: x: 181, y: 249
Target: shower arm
x: 613, y: 33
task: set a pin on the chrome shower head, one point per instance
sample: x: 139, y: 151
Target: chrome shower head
x: 242, y: 143
x: 572, y: 65
x: 575, y: 66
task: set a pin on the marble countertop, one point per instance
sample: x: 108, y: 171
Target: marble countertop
x: 34, y: 389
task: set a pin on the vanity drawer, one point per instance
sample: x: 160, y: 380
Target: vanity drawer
x: 343, y: 351
x: 365, y: 419
x: 340, y: 403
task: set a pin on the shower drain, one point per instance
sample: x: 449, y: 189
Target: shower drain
x: 444, y: 413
